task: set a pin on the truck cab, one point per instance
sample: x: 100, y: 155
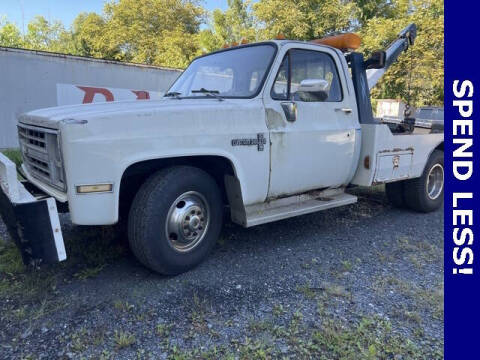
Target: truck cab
x: 268, y: 131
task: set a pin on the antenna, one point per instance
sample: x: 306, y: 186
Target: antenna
x: 23, y: 17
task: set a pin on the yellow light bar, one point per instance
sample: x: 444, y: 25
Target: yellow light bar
x: 97, y: 188
x: 348, y: 41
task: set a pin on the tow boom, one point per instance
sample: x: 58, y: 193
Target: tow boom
x: 404, y: 40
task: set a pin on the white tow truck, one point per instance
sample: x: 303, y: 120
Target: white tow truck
x: 268, y: 130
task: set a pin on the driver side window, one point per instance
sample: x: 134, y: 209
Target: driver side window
x: 299, y: 65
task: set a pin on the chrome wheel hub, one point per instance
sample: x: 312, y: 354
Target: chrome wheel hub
x: 435, y: 180
x: 187, y: 221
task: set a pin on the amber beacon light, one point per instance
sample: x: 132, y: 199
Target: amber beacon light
x: 344, y: 42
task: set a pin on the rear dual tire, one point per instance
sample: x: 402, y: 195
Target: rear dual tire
x: 423, y: 194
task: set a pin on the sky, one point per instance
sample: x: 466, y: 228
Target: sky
x: 21, y: 12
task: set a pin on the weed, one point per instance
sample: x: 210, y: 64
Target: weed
x: 347, y: 266
x: 411, y: 316
x: 79, y: 340
x: 278, y: 310
x: 307, y: 291
x: 258, y: 326
x: 105, y: 355
x: 163, y: 330
x: 89, y: 272
x: 123, y: 339
x: 123, y: 306
x: 10, y: 259
x: 372, y: 339
x: 197, y: 315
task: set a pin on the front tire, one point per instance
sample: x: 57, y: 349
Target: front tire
x: 425, y: 194
x: 175, y: 219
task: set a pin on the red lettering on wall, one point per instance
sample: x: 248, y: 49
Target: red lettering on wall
x: 91, y: 91
x: 141, y: 94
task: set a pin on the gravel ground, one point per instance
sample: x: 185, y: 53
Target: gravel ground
x: 325, y: 283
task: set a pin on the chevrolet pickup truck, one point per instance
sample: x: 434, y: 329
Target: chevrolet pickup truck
x: 266, y: 131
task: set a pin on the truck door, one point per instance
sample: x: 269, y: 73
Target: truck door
x: 312, y: 139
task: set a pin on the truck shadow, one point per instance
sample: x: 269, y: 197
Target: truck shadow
x: 92, y: 249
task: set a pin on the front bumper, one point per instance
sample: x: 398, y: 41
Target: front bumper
x: 33, y: 223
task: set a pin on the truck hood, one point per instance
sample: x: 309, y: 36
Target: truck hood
x: 52, y: 117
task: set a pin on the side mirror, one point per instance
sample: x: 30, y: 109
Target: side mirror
x: 376, y: 60
x: 313, y: 90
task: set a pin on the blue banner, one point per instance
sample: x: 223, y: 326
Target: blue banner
x: 462, y: 254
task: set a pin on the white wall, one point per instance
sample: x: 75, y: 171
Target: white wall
x: 33, y: 79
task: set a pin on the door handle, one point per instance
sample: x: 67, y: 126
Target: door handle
x: 345, y: 110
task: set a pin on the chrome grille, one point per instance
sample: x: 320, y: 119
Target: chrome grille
x: 41, y: 154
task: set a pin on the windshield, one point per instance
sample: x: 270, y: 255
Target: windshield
x: 236, y: 73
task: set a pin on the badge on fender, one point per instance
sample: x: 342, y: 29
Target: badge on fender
x: 260, y: 142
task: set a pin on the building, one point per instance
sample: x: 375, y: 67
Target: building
x: 37, y: 79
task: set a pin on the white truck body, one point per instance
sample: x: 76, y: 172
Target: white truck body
x: 280, y: 168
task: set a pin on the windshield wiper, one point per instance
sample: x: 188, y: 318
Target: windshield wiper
x: 212, y: 93
x: 174, y: 94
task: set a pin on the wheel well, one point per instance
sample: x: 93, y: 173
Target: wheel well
x: 440, y: 146
x: 136, y: 174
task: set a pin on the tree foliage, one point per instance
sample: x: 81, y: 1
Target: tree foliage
x: 173, y: 32
x: 417, y: 77
x: 44, y: 35
x: 9, y: 34
x: 235, y: 24
x: 145, y: 30
x: 304, y: 19
x: 90, y: 39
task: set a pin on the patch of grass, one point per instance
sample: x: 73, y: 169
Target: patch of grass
x: 92, y: 248
x: 347, y: 266
x: 307, y: 290
x: 123, y: 306
x: 197, y: 314
x: 123, y: 339
x: 425, y: 299
x: 372, y: 339
x: 80, y: 340
x: 401, y: 312
x: 258, y: 326
x: 10, y: 259
x: 105, y: 355
x: 278, y: 310
x: 251, y: 349
x: 163, y: 330
x: 89, y: 272
x: 14, y: 155
x: 432, y: 299
x: 18, y: 281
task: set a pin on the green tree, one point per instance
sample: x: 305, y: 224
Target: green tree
x: 417, y: 77
x: 230, y: 26
x: 144, y: 30
x: 89, y: 37
x: 368, y: 9
x: 49, y: 36
x: 304, y: 19
x: 9, y: 34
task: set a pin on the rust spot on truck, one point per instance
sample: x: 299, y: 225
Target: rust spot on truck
x: 274, y: 119
x: 409, y: 149
x: 366, y: 162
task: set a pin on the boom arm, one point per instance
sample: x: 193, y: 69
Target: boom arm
x: 404, y: 40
